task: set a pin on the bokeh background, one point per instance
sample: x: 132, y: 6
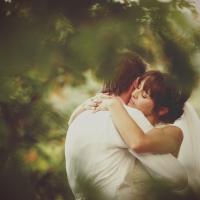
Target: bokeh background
x: 54, y: 54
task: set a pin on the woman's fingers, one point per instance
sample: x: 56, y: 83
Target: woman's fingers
x: 100, y: 107
x: 91, y: 103
x: 98, y: 102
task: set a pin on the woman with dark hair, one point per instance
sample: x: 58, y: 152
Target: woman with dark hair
x: 157, y: 96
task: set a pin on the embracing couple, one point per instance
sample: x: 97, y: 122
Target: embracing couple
x: 130, y: 148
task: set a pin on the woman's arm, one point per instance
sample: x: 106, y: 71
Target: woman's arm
x: 157, y: 140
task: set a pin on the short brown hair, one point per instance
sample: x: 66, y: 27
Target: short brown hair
x: 165, y: 92
x: 129, y: 67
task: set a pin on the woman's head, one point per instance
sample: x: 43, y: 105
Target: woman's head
x: 158, y: 96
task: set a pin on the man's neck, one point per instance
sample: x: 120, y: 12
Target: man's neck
x: 125, y: 97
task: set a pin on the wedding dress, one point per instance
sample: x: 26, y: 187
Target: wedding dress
x: 189, y: 154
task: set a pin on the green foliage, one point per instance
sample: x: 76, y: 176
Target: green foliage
x: 46, y: 45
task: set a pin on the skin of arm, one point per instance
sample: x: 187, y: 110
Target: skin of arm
x: 158, y: 140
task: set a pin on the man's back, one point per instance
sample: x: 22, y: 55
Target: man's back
x: 96, y: 155
x: 95, y: 152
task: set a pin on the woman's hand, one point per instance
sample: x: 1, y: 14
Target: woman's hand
x: 92, y: 103
x: 89, y: 104
x: 106, y: 102
x: 100, y: 102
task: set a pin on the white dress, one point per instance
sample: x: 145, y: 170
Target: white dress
x: 97, y: 156
x: 189, y: 154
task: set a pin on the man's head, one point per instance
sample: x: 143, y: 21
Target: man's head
x: 129, y: 67
x: 158, y: 96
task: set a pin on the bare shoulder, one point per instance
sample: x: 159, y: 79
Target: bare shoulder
x: 174, y: 132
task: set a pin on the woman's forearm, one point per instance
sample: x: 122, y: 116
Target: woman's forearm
x: 132, y: 134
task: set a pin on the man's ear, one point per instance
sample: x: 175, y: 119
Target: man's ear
x: 133, y: 86
x: 163, y: 111
x: 135, y: 82
x: 127, y: 94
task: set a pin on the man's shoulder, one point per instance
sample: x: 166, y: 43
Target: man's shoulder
x: 90, y: 118
x: 91, y: 113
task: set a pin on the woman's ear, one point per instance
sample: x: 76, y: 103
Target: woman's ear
x: 163, y: 111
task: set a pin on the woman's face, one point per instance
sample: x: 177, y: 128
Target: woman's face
x: 141, y: 100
